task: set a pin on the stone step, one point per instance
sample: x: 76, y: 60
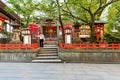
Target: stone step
x: 47, y: 57
x: 50, y: 46
x: 52, y: 54
x: 49, y: 49
x: 53, y: 42
x: 48, y: 52
x: 47, y: 61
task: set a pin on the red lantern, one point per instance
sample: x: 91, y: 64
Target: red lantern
x: 68, y: 28
x: 68, y: 31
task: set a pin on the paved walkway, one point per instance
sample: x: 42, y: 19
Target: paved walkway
x: 59, y: 71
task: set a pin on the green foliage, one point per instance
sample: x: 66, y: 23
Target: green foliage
x: 48, y: 8
x: 87, y: 11
x: 84, y: 10
x: 25, y: 8
x: 112, y: 38
x: 113, y: 21
x: 5, y: 37
x: 77, y: 40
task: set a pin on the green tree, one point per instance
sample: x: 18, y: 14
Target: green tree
x: 87, y: 11
x: 25, y: 8
x: 5, y: 37
x: 60, y: 18
x: 113, y: 18
x: 53, y: 9
x: 48, y: 8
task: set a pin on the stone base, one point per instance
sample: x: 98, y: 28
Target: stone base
x: 90, y: 56
x: 15, y: 42
x: 16, y: 56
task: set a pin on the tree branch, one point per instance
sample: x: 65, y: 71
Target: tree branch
x: 88, y: 10
x: 101, y: 7
x: 70, y: 13
x: 74, y: 16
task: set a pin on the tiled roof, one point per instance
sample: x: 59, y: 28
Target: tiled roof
x: 13, y: 16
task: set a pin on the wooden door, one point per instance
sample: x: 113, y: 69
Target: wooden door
x: 50, y: 33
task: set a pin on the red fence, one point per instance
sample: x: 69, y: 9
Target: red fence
x: 90, y: 46
x: 18, y: 46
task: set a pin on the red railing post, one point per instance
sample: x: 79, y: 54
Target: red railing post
x: 74, y: 46
x: 36, y: 46
x: 119, y: 46
x: 113, y: 46
x: 0, y: 46
x: 87, y: 45
x: 80, y: 46
x: 106, y: 46
x: 13, y: 45
x: 61, y: 45
x: 26, y: 46
x: 93, y: 46
x: 6, y: 46
x: 32, y: 46
x: 19, y: 46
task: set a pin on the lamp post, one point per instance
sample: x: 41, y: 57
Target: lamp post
x: 68, y: 32
x: 26, y: 36
x: 114, y: 30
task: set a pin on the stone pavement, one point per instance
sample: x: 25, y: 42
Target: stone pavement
x: 59, y: 71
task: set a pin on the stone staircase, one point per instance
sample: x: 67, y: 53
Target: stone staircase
x: 48, y: 54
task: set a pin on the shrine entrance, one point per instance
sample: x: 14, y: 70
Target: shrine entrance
x: 50, y: 33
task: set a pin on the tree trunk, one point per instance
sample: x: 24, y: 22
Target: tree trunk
x: 62, y: 26
x: 60, y: 20
x: 92, y: 29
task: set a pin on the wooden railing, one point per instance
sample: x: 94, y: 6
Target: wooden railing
x: 18, y: 46
x: 90, y: 46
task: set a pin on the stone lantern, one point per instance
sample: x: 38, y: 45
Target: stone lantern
x: 16, y: 33
x: 68, y: 32
x: 16, y: 38
x: 26, y: 36
x: 114, y: 30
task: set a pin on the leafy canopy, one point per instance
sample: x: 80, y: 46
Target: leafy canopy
x: 25, y: 8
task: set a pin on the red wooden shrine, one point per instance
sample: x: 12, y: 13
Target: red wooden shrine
x: 99, y: 31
